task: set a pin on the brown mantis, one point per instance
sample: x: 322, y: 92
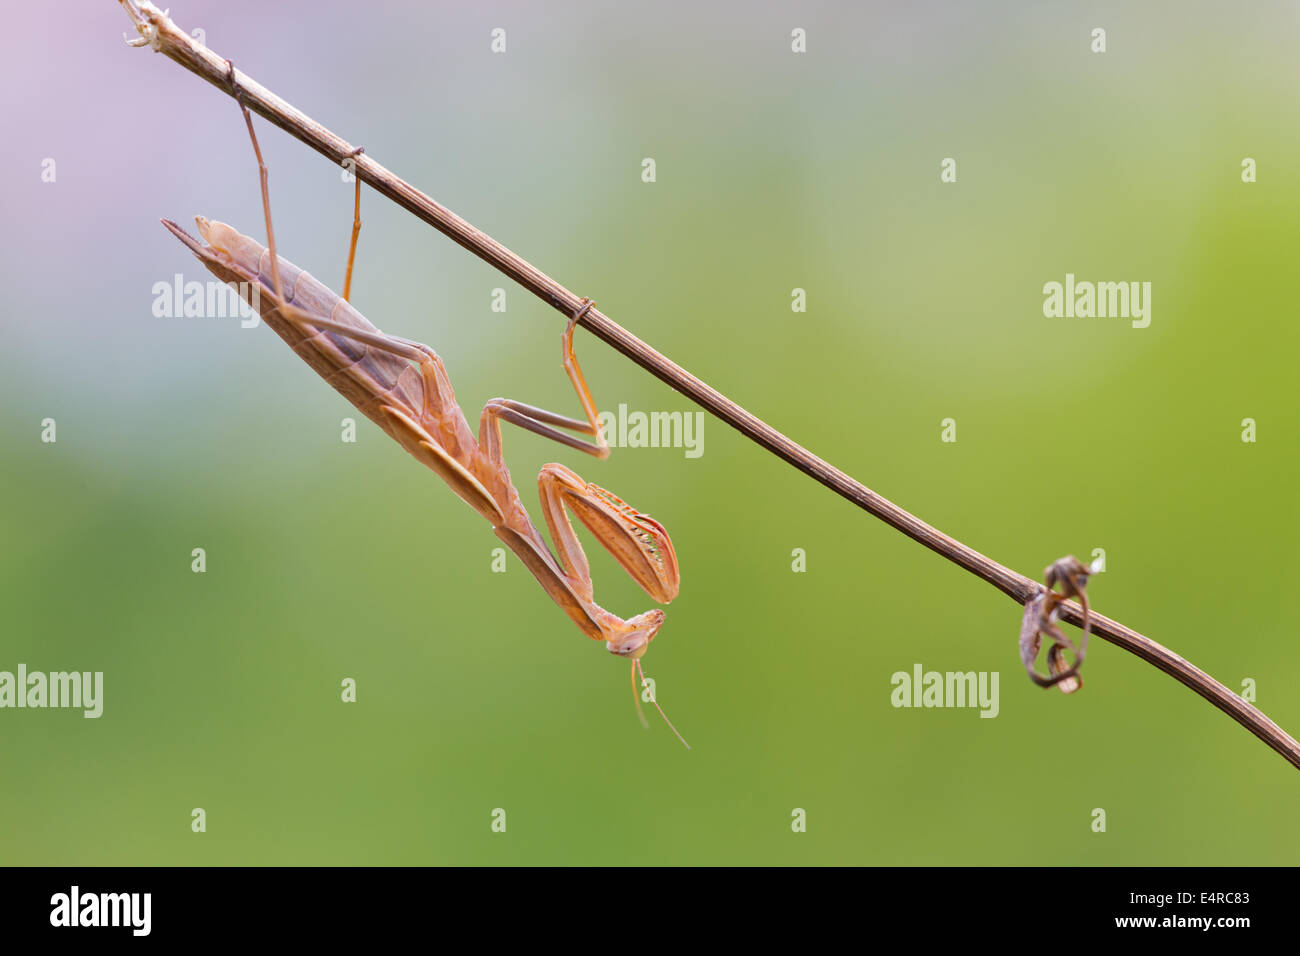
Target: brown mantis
x: 402, y: 386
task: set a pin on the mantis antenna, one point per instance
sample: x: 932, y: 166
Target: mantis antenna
x: 654, y: 700
x: 636, y: 699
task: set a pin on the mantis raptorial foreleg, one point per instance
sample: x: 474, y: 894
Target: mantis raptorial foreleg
x: 638, y: 542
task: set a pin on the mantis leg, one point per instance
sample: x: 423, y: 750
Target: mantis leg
x: 356, y: 226
x: 545, y: 423
x: 635, y: 540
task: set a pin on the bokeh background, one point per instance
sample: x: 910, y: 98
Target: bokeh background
x: 775, y: 170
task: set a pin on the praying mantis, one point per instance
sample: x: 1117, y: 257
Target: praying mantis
x: 403, y: 387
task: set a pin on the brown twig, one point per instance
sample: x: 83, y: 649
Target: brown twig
x: 158, y: 31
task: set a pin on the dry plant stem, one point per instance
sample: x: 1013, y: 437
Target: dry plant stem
x: 165, y: 37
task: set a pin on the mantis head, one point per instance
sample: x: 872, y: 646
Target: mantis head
x: 634, y: 637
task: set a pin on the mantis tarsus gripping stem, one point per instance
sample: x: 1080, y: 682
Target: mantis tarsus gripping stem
x: 356, y: 223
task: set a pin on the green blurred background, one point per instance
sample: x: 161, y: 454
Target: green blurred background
x: 774, y: 171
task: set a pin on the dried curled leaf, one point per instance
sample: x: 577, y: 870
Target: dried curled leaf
x: 1030, y: 633
x: 1041, y: 614
x: 1059, y: 667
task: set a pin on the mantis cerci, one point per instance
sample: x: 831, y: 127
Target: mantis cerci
x: 402, y: 386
